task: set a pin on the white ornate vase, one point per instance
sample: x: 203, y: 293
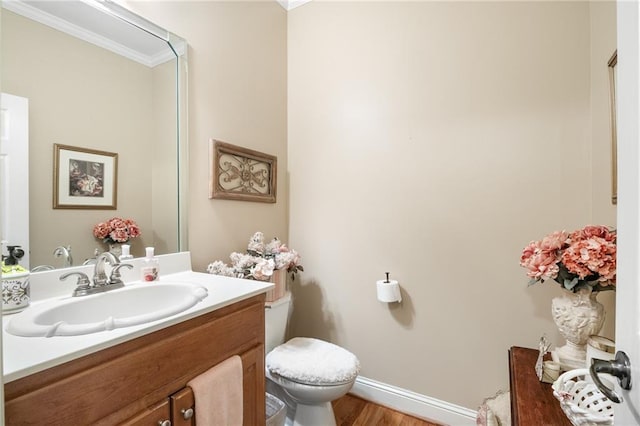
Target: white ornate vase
x: 115, y: 249
x: 578, y: 315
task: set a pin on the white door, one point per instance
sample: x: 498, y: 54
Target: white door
x: 627, y: 413
x: 14, y: 173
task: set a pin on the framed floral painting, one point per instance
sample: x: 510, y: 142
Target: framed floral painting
x: 84, y: 178
x: 237, y: 173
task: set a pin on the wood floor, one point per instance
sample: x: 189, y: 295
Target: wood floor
x: 353, y: 411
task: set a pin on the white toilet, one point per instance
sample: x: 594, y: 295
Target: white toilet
x: 311, y: 372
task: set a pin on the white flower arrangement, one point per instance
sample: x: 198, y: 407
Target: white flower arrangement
x: 260, y: 260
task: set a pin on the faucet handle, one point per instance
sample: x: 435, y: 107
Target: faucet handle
x: 82, y: 285
x: 116, y: 278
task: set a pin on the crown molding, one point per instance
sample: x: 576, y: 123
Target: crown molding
x: 292, y: 4
x: 24, y: 9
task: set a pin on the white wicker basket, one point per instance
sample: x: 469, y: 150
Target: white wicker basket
x: 581, y: 401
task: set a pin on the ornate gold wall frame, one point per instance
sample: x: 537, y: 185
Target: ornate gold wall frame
x: 237, y: 173
x: 614, y: 137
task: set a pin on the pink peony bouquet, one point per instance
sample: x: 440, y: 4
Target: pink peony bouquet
x: 116, y: 230
x: 586, y: 257
x: 260, y: 260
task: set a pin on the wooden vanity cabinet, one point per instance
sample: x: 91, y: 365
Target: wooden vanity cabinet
x: 139, y: 381
x: 156, y: 415
x: 181, y: 403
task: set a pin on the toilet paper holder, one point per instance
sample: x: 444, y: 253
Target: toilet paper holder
x: 388, y: 290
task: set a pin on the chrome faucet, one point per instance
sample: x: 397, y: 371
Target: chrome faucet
x: 100, y: 282
x: 99, y: 275
x: 64, y: 252
x: 92, y: 260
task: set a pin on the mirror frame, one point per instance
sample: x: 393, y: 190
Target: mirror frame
x: 178, y: 46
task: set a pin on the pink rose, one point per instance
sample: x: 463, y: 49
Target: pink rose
x: 554, y: 241
x: 542, y: 266
x: 116, y: 223
x: 527, y: 252
x: 101, y: 230
x: 263, y: 270
x: 594, y: 231
x: 592, y: 256
x: 119, y: 235
x: 132, y: 228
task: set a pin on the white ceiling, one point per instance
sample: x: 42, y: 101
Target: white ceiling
x: 89, y: 21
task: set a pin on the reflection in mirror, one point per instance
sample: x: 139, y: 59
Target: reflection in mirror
x: 95, y: 81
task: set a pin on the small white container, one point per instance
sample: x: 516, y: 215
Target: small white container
x: 126, y: 254
x: 150, y: 270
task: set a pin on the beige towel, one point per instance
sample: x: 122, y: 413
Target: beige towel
x: 218, y: 394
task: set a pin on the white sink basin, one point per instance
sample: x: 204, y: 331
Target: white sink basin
x: 132, y: 305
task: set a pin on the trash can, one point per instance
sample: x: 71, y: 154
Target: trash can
x: 276, y: 411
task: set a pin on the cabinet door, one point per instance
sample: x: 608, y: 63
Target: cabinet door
x: 253, y: 386
x: 156, y: 415
x: 182, y: 406
x: 253, y: 394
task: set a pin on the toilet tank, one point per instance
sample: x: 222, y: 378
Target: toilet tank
x: 276, y: 318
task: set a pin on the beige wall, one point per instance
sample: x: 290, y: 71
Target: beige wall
x: 77, y: 93
x: 237, y: 94
x: 431, y: 140
x: 434, y: 140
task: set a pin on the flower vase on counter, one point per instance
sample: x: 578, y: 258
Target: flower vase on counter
x: 272, y: 261
x: 577, y: 315
x: 115, y: 249
x: 115, y: 232
x: 583, y: 262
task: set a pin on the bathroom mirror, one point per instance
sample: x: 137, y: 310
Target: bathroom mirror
x: 99, y: 78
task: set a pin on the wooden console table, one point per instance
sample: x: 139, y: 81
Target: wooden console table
x: 532, y: 402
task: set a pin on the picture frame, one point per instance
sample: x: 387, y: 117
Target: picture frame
x: 84, y: 178
x: 613, y: 62
x: 237, y: 173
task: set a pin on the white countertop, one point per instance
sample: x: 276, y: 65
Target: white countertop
x: 23, y: 356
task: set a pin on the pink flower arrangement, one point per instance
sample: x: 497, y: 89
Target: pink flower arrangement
x: 116, y: 230
x: 586, y: 257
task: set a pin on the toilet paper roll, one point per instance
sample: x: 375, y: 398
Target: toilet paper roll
x: 388, y: 291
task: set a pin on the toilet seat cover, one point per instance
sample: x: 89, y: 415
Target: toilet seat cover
x: 313, y: 361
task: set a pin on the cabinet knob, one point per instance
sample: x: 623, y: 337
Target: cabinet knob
x: 164, y: 423
x: 186, y: 414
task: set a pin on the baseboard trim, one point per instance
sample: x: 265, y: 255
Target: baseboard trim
x: 412, y: 403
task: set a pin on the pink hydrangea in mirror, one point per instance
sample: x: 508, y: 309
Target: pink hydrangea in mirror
x: 115, y: 232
